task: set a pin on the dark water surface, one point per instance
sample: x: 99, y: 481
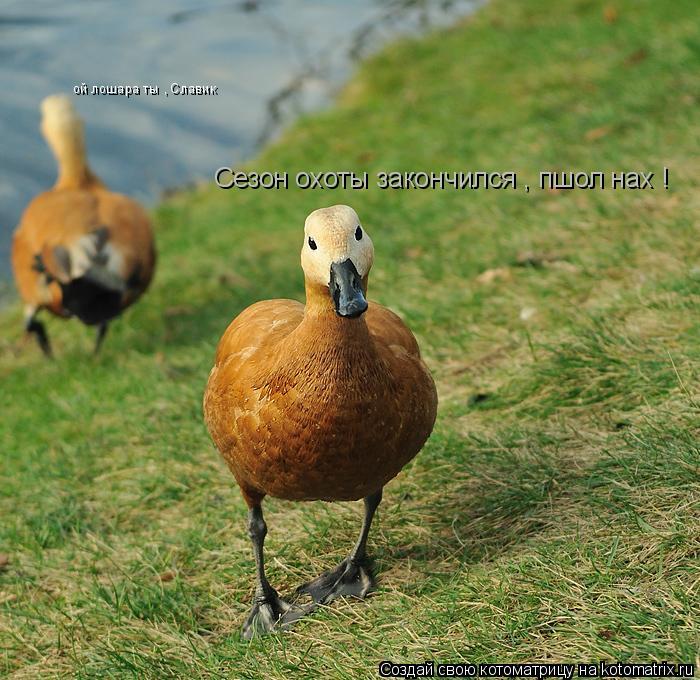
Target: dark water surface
x: 269, y: 58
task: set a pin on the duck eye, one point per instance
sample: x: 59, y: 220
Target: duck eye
x: 358, y: 233
x: 312, y: 244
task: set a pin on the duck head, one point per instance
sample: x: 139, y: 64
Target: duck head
x: 62, y: 128
x: 337, y: 255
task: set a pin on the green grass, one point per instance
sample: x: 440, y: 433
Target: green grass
x: 554, y: 513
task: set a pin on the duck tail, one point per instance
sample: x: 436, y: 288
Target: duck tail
x: 88, y: 272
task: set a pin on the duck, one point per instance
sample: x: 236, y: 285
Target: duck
x: 322, y: 401
x: 80, y: 250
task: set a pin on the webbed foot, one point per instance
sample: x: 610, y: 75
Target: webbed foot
x: 270, y: 613
x: 348, y: 579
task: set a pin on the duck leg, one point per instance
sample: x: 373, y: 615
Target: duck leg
x: 269, y: 609
x: 352, y: 577
x: 101, y: 332
x: 35, y: 327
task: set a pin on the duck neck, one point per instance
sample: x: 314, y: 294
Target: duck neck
x: 68, y: 146
x: 326, y: 353
x: 324, y: 329
x: 73, y: 170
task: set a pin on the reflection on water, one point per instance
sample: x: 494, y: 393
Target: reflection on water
x: 269, y: 59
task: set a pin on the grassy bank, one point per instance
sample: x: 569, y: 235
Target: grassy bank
x: 553, y: 514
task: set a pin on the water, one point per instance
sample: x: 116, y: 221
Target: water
x: 269, y: 58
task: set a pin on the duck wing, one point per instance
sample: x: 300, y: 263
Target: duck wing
x: 259, y: 326
x: 388, y: 329
x: 249, y: 338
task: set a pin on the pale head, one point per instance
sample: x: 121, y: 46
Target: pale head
x: 338, y: 253
x: 63, y: 128
x: 334, y: 232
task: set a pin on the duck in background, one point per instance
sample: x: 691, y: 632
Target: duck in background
x: 80, y: 249
x: 323, y: 401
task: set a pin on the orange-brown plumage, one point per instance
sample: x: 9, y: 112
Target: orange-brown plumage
x: 307, y: 404
x: 79, y: 230
x: 318, y: 407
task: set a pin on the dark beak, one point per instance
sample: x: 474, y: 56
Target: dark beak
x: 346, y: 290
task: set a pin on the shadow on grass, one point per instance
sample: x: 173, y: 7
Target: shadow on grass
x: 497, y: 494
x: 493, y: 495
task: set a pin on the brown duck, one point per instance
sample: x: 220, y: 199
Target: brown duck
x: 80, y: 249
x: 323, y: 401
